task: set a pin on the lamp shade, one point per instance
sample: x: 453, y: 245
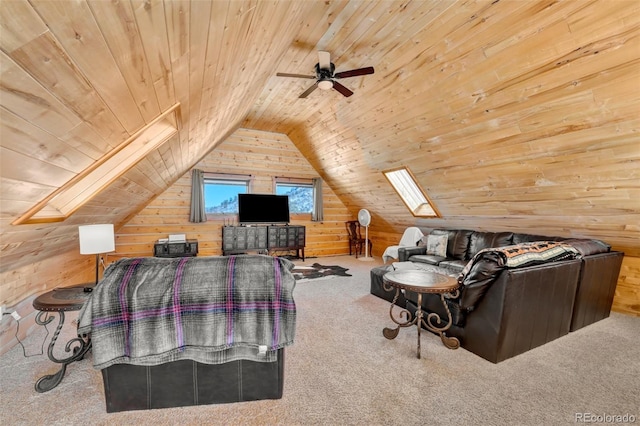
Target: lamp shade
x: 96, y: 239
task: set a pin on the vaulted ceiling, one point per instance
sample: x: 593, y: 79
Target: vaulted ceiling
x: 511, y: 114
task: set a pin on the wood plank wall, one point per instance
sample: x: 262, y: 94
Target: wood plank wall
x: 264, y: 155
x: 20, y: 286
x: 627, y: 296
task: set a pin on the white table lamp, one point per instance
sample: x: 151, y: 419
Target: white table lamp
x: 96, y: 239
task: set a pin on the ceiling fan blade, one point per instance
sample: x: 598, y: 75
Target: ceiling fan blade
x: 324, y: 60
x: 284, y: 74
x: 353, y: 73
x: 309, y: 90
x: 340, y: 88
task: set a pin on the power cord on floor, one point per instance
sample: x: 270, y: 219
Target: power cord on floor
x: 24, y: 350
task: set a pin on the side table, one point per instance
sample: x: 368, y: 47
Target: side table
x: 61, y: 300
x: 421, y: 282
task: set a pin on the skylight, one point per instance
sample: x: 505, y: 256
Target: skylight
x: 63, y: 202
x: 408, y: 189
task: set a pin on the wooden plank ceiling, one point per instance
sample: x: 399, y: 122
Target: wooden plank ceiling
x: 512, y: 115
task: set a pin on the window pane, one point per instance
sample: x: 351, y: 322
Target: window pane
x: 221, y: 196
x: 300, y: 197
x: 413, y: 196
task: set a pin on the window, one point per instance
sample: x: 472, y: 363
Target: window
x: 413, y: 196
x: 221, y: 192
x: 68, y: 198
x: 300, y: 192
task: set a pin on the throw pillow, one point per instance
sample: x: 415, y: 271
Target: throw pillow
x: 437, y: 245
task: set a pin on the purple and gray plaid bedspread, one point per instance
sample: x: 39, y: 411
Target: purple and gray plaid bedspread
x: 148, y: 311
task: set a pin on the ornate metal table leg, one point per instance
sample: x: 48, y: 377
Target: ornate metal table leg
x: 388, y: 332
x: 50, y: 381
x: 391, y: 333
x: 449, y: 342
x: 419, y: 320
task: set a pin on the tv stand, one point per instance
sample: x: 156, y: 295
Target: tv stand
x: 263, y: 239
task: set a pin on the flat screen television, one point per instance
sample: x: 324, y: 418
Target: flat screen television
x: 263, y: 208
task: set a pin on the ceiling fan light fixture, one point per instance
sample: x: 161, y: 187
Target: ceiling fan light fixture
x: 326, y: 78
x: 325, y: 84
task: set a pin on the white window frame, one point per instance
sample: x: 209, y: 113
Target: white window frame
x: 288, y: 181
x: 80, y: 189
x: 413, y: 196
x: 229, y: 178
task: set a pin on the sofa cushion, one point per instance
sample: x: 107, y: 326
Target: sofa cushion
x: 528, y: 238
x: 423, y: 267
x: 483, y: 240
x: 437, y: 245
x: 587, y: 247
x: 457, y: 241
x: 404, y: 253
x: 454, y: 265
x: 426, y: 258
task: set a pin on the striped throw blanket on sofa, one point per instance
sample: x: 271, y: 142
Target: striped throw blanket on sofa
x: 148, y: 311
x: 481, y: 271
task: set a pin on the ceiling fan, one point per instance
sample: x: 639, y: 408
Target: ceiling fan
x: 325, y: 77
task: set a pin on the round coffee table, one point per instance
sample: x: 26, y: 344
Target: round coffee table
x: 421, y: 282
x: 61, y: 300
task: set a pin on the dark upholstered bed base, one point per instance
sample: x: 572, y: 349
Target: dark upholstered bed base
x: 186, y: 382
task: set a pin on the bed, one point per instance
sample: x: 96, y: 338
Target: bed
x: 190, y: 331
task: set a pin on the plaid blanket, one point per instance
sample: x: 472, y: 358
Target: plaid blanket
x: 149, y: 311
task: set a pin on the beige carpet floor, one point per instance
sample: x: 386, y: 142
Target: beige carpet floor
x: 342, y: 371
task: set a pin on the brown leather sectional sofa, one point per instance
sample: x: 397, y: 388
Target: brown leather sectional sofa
x: 514, y: 309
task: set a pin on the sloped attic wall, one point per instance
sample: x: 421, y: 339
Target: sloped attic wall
x: 517, y: 115
x: 513, y: 115
x: 80, y: 78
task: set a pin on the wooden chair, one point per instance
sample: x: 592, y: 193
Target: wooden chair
x: 356, y: 241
